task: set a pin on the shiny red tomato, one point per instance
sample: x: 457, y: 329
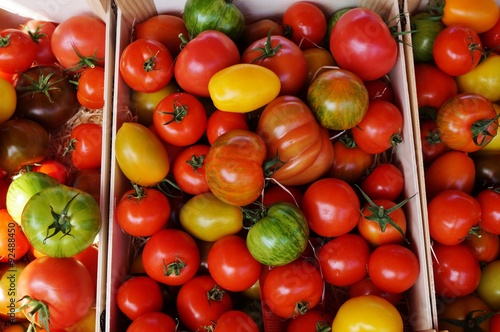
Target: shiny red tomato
x: 259, y: 29
x: 189, y: 169
x: 235, y: 320
x: 142, y: 211
x: 489, y: 200
x: 457, y: 50
x: 53, y: 168
x: 331, y: 207
x: 486, y: 246
x: 343, y: 259
x: 180, y: 119
x: 431, y: 143
x: 490, y: 39
x: 385, y: 181
x: 200, y: 302
x: 433, y: 85
x: 17, y: 51
x: 90, y: 91
x: 90, y: 258
x: 283, y: 57
x: 277, y: 193
x: 312, y: 320
x: 350, y: 162
x: 380, y: 88
x: 13, y: 243
x: 86, y: 146
x: 393, y: 268
x: 305, y: 24
x: 41, y: 33
x: 374, y: 134
x: 139, y: 295
x: 220, y: 122
x: 456, y: 270
x: 153, y: 321
x: 146, y: 65
x: 366, y: 287
x: 292, y: 289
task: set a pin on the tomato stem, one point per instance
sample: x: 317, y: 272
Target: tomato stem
x: 5, y: 41
x: 35, y: 35
x: 179, y: 113
x: 480, y: 133
x: 433, y: 137
x: 272, y: 165
x: 301, y: 308
x: 215, y: 294
x: 174, y: 267
x: 39, y: 307
x: 43, y: 85
x: 85, y: 61
x: 396, y: 139
x: 267, y: 51
x: 471, y: 322
x: 196, y: 162
x: 61, y: 221
x: 252, y: 216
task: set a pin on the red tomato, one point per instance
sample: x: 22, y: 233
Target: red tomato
x: 431, y: 143
x: 146, y: 65
x: 90, y: 258
x: 490, y: 39
x: 343, y: 259
x: 220, y: 122
x: 142, y: 211
x: 41, y: 33
x: 305, y: 24
x: 350, y: 162
x: 380, y: 88
x: 235, y: 320
x: 357, y: 31
x: 203, y: 56
x: 374, y: 134
x: 495, y: 323
x: 86, y: 146
x: 17, y: 51
x: 292, y: 289
x: 312, y: 320
x: 53, y: 168
x: 78, y: 40
x: 13, y: 243
x: 200, y: 302
x: 331, y: 207
x: 4, y: 186
x: 171, y: 256
x: 153, y: 321
x: 486, y: 246
x: 163, y: 28
x: 467, y: 122
x: 90, y: 91
x: 385, y: 181
x: 451, y: 170
x: 457, y: 50
x: 433, y: 85
x: 231, y: 264
x: 259, y: 29
x: 366, y: 287
x: 456, y: 270
x: 489, y: 200
x: 180, y: 119
x: 189, y: 169
x: 46, y: 279
x: 139, y: 295
x: 393, y: 268
x: 283, y: 57
x: 277, y: 193
x: 452, y: 214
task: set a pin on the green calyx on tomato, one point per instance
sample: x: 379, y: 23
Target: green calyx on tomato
x: 472, y: 321
x: 481, y: 134
x: 179, y: 113
x: 267, y: 51
x: 85, y: 61
x: 173, y: 268
x: 40, y: 308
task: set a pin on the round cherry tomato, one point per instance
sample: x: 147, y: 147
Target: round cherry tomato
x: 312, y: 320
x: 139, y: 295
x: 90, y: 91
x: 431, y: 143
x: 189, y: 169
x: 305, y: 24
x: 486, y: 246
x: 235, y: 320
x: 53, y: 168
x: 17, y: 51
x: 350, y: 162
x: 41, y: 33
x: 153, y: 321
x: 385, y: 181
x: 86, y: 145
x: 220, y: 122
x: 489, y: 200
x: 433, y: 86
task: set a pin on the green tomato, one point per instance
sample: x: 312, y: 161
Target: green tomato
x: 61, y: 221
x: 425, y: 29
x: 208, y: 218
x: 220, y: 15
x: 489, y: 288
x: 280, y: 237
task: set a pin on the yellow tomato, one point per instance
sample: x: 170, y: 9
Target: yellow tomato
x: 141, y: 155
x: 86, y: 324
x: 367, y: 313
x: 9, y: 100
x: 494, y: 145
x: 207, y: 218
x: 143, y: 104
x: 243, y: 88
x: 8, y: 295
x: 484, y: 79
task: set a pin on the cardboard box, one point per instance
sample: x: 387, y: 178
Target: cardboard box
x: 420, y: 316
x: 15, y: 12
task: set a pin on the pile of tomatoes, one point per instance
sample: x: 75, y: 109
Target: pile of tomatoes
x: 261, y: 172
x: 457, y: 74
x: 52, y: 98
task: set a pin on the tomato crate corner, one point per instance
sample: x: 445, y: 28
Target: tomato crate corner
x: 124, y: 248
x: 14, y: 15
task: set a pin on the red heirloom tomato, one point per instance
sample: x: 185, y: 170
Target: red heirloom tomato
x: 203, y: 56
x: 142, y: 211
x: 451, y: 170
x: 163, y: 28
x: 220, y: 121
x: 283, y: 57
x: 41, y: 33
x: 467, y: 122
x: 86, y: 145
x: 457, y: 50
x: 432, y: 146
x: 78, y: 40
x: 489, y: 199
x: 153, y: 321
x: 350, y: 163
x: 180, y: 119
x: 433, y: 85
x: 343, y: 259
x: 200, y: 302
x: 452, y: 214
x: 171, y: 257
x: 233, y: 167
x: 358, y: 30
x: 305, y: 24
x: 338, y: 99
x: 146, y: 65
x: 456, y: 270
x: 231, y: 264
x: 17, y: 51
x: 292, y: 289
x: 189, y: 169
x: 374, y: 134
x: 90, y: 91
x: 235, y: 320
x: 45, y: 280
x: 139, y: 295
x: 385, y: 181
x: 331, y: 207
